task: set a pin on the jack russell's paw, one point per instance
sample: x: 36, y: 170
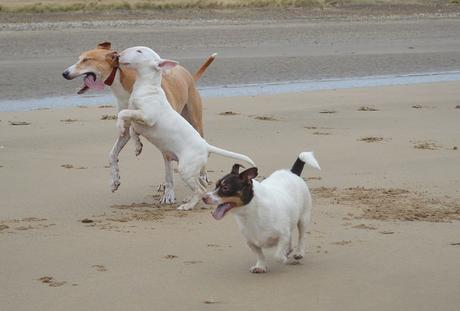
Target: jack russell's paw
x: 114, y: 186
x: 257, y: 269
x: 297, y: 256
x: 168, y: 197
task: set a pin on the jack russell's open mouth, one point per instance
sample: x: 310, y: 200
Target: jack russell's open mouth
x: 222, y: 209
x: 90, y: 81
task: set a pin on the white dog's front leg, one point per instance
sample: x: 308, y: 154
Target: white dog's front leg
x: 137, y: 141
x: 261, y: 266
x: 131, y: 115
x: 168, y: 196
x: 113, y: 160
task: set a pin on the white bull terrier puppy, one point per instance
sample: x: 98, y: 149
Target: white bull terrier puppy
x: 267, y: 212
x: 151, y: 116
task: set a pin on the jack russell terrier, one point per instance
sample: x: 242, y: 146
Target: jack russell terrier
x: 267, y: 212
x: 100, y: 66
x: 151, y: 116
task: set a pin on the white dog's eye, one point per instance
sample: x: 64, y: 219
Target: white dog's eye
x: 139, y: 51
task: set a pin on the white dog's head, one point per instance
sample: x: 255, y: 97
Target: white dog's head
x: 141, y: 58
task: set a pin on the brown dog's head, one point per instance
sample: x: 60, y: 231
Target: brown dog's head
x: 232, y: 190
x: 96, y: 65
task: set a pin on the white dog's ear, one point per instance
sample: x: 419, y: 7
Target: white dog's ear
x: 166, y: 64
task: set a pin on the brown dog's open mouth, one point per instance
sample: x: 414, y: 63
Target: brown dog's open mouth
x: 90, y: 81
x: 222, y: 209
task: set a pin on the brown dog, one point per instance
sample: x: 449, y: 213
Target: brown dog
x: 100, y: 66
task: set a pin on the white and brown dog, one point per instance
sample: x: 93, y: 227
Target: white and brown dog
x: 151, y: 116
x: 267, y: 212
x: 100, y: 67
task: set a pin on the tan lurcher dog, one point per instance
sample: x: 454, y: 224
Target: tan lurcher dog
x: 100, y: 66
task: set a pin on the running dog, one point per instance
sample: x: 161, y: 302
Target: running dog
x: 267, y: 212
x: 151, y: 116
x: 100, y: 67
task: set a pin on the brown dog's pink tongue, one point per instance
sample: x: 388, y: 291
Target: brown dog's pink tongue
x: 93, y: 84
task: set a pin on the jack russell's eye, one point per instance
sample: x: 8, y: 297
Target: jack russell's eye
x: 225, y: 188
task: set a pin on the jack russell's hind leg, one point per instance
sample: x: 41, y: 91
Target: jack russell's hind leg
x: 137, y: 141
x: 168, y: 196
x: 299, y: 252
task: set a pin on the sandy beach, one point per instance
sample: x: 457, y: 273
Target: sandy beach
x: 385, y: 233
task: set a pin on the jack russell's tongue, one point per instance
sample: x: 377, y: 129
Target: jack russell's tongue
x: 221, y: 210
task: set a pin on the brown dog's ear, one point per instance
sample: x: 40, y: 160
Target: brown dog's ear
x: 112, y: 58
x: 236, y: 169
x: 249, y: 174
x: 104, y: 45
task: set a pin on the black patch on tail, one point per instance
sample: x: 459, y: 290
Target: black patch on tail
x: 297, y: 167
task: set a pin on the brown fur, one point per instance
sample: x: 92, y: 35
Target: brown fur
x: 178, y: 84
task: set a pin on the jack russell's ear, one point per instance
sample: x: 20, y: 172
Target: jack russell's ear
x: 249, y: 174
x: 166, y: 64
x: 104, y: 45
x: 236, y: 169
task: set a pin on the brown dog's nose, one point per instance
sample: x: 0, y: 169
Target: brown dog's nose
x: 65, y: 74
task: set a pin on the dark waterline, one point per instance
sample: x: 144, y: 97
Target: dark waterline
x: 242, y: 90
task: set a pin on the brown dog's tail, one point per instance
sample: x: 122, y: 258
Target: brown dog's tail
x: 203, y: 67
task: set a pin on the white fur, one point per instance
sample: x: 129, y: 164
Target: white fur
x: 281, y: 203
x: 152, y: 116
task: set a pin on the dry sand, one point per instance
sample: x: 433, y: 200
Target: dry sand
x: 384, y: 234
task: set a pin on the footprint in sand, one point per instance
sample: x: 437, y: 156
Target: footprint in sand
x: 109, y: 117
x: 266, y: 118
x: 364, y: 226
x: 228, y: 113
x: 69, y: 166
x: 50, y: 281
x: 371, y: 139
x: 69, y: 120
x: 365, y: 108
x: 18, y: 123
x: 426, y: 145
x: 100, y: 268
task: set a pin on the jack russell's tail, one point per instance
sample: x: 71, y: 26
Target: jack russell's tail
x: 304, y: 157
x: 203, y: 67
x: 229, y: 154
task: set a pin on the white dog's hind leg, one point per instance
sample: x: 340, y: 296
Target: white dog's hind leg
x: 204, y: 176
x: 137, y: 141
x: 261, y: 266
x: 284, y: 249
x: 113, y: 160
x: 168, y: 196
x: 198, y: 191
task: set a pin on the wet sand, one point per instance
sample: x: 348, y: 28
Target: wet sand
x: 384, y: 234
x: 265, y: 47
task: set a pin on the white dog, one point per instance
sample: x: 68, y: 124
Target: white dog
x: 267, y: 212
x: 152, y: 117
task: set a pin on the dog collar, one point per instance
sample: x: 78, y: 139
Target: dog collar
x: 111, y: 77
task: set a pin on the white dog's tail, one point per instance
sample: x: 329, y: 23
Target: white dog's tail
x: 304, y: 157
x: 229, y: 154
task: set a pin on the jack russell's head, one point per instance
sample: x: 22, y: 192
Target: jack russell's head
x: 232, y: 191
x: 95, y: 65
x: 144, y: 59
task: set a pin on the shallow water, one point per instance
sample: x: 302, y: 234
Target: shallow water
x: 243, y: 90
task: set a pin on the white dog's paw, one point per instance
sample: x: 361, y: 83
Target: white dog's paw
x: 161, y: 188
x: 185, y: 207
x: 258, y: 269
x: 168, y: 197
x: 297, y: 256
